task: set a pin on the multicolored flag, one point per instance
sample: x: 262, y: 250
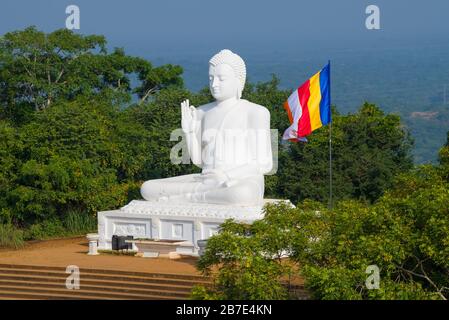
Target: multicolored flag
x: 309, y: 107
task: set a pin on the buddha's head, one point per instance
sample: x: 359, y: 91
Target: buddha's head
x: 227, y: 75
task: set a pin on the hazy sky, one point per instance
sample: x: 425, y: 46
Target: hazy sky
x: 176, y: 26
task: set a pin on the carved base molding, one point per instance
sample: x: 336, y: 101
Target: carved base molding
x: 173, y: 221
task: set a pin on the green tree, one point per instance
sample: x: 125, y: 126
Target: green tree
x: 156, y: 79
x: 404, y: 236
x: 248, y: 259
x: 160, y: 117
x: 369, y: 149
x: 444, y: 154
x: 405, y: 233
x: 80, y: 155
x: 37, y: 69
x: 10, y: 149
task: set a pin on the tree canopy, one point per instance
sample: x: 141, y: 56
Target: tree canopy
x: 405, y: 234
x: 38, y: 69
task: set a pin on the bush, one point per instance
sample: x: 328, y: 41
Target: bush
x: 78, y: 223
x: 405, y: 234
x: 10, y: 148
x: 340, y: 283
x: 11, y: 237
x: 249, y: 263
x: 74, y: 223
x: 72, y: 159
x: 47, y: 190
x: 45, y: 230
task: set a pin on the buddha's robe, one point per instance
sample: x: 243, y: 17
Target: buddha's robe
x: 234, y: 140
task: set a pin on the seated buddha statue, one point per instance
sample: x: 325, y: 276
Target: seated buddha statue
x: 229, y: 139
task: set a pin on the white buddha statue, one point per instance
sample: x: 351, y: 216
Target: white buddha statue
x: 228, y: 138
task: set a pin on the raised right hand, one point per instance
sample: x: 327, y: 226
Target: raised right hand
x: 188, y: 117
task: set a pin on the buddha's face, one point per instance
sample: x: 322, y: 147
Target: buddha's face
x: 223, y: 82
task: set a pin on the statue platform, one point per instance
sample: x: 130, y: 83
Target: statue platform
x: 173, y: 221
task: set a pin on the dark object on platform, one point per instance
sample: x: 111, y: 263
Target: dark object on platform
x: 118, y: 242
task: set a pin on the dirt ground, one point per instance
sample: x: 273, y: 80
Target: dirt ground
x: 73, y: 251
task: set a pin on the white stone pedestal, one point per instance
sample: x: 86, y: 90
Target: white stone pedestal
x: 93, y: 243
x: 173, y: 221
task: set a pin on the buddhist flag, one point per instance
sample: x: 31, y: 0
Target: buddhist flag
x: 309, y: 106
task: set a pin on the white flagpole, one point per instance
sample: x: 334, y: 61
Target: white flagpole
x: 330, y: 166
x: 330, y: 143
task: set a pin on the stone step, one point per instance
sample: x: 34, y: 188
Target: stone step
x: 15, y: 295
x: 104, y: 276
x: 131, y: 274
x: 79, y: 294
x: 109, y: 272
x: 164, y: 291
x: 103, y: 283
x: 47, y: 282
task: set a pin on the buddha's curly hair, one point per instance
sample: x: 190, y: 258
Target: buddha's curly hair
x: 235, y: 61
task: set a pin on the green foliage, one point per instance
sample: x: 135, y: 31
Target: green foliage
x: 444, y: 156
x: 200, y: 292
x: 37, y: 69
x: 156, y: 79
x: 10, y: 148
x: 377, y: 141
x: 68, y: 146
x: 422, y: 198
x: 247, y: 268
x: 74, y: 223
x: 340, y: 283
x: 48, y: 229
x: 78, y: 223
x: 45, y: 190
x: 334, y: 283
x: 405, y: 234
x: 160, y: 118
x: 11, y: 237
x: 76, y: 156
x: 77, y: 129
